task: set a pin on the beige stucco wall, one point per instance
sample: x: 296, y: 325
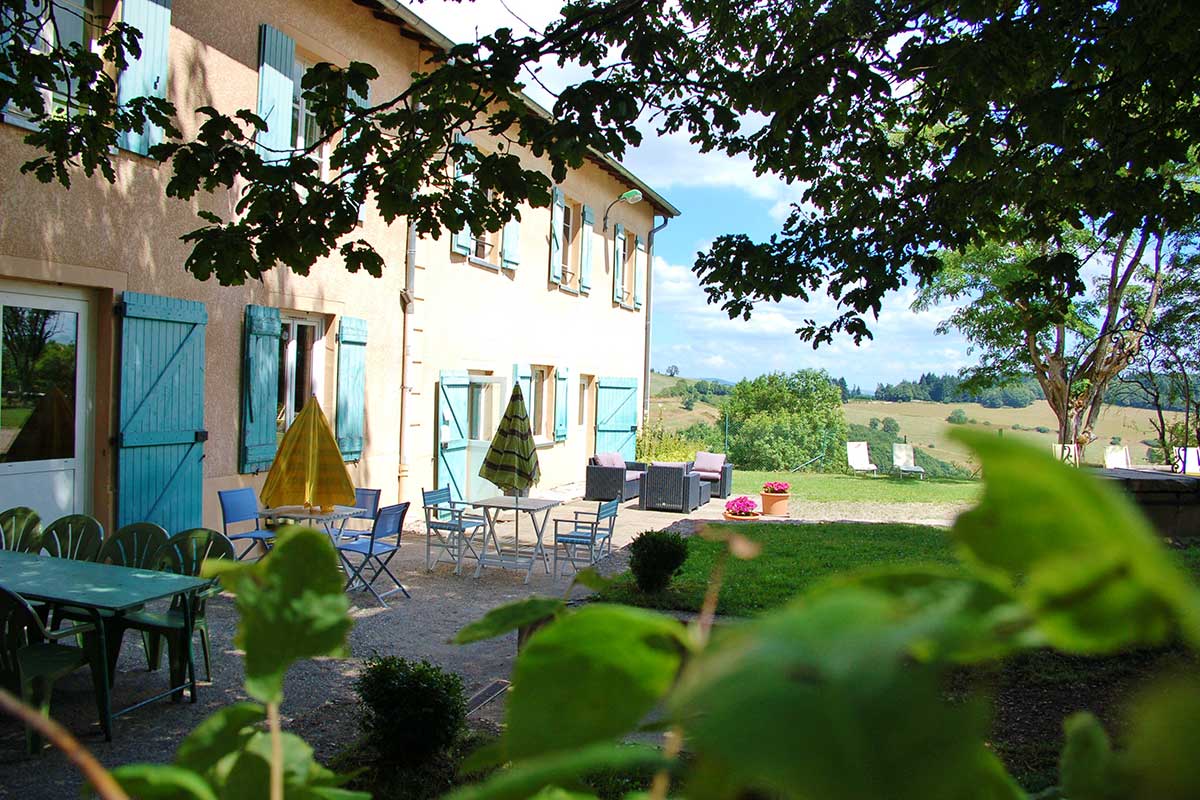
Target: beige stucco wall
x: 125, y: 236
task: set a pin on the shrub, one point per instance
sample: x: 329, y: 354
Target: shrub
x: 410, y: 711
x: 1042, y: 429
x: 890, y: 425
x: 655, y: 443
x: 689, y: 402
x: 1016, y: 426
x: 1115, y: 440
x: 957, y: 417
x: 785, y: 440
x: 972, y: 420
x: 654, y: 558
x: 930, y: 445
x: 987, y: 422
x: 874, y: 423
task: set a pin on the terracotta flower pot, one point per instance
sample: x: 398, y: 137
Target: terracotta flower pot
x: 742, y: 517
x: 774, y: 505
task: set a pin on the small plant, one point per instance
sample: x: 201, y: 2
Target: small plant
x: 773, y: 487
x: 1116, y: 440
x: 410, y: 710
x: 741, y: 506
x: 957, y: 417
x: 1042, y: 429
x: 654, y: 558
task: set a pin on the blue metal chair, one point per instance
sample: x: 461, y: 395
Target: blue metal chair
x: 446, y: 521
x: 590, y: 530
x: 240, y: 505
x: 368, y: 501
x: 375, y: 552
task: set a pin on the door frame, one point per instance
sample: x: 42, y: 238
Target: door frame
x: 80, y: 301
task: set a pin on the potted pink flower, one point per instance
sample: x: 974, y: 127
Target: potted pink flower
x: 740, y: 508
x: 775, y: 498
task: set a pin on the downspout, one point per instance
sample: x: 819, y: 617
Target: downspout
x: 649, y: 307
x: 407, y: 307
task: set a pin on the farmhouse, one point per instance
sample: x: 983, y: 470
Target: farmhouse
x: 132, y: 391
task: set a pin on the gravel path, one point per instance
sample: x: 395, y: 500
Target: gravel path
x: 320, y: 701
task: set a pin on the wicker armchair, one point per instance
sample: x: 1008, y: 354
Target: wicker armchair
x: 714, y: 470
x: 670, y: 487
x: 613, y: 482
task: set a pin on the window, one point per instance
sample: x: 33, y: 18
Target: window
x: 537, y: 400
x: 301, y: 367
x: 583, y: 394
x: 37, y: 406
x: 74, y: 22
x: 306, y: 131
x: 486, y: 246
x: 568, y: 239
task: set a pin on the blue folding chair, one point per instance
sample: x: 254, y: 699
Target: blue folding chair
x: 240, y: 505
x: 375, y: 552
x: 590, y: 531
x: 447, y: 521
x: 368, y: 501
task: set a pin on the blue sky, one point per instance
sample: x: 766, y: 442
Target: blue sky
x: 716, y: 195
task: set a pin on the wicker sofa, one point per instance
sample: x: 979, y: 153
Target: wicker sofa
x: 670, y: 487
x: 611, y: 477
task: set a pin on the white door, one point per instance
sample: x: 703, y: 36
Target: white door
x: 46, y: 400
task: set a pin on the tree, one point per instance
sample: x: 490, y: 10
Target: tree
x: 890, y: 425
x: 672, y: 371
x: 957, y: 417
x: 806, y: 391
x: 1074, y: 342
x: 27, y: 331
x: 1088, y: 125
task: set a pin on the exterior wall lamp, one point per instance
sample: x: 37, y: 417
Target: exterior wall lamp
x: 633, y: 196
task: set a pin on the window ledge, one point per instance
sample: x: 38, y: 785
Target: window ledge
x: 479, y: 262
x: 542, y: 442
x: 568, y: 289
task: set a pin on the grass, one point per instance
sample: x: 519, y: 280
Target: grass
x: 793, y: 558
x: 924, y: 423
x: 14, y: 416
x: 812, y: 487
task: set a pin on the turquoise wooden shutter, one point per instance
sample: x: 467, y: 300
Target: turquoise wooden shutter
x: 560, y: 404
x: 585, y: 250
x: 556, y: 242
x: 619, y: 263
x: 523, y: 377
x: 639, y: 271
x: 260, y: 388
x: 510, y: 244
x: 351, y: 386
x: 453, y: 396
x: 355, y: 99
x: 276, y: 58
x: 616, y: 416
x: 461, y: 242
x: 147, y: 75
x: 160, y: 440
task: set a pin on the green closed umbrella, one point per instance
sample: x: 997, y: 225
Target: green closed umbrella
x: 511, y: 462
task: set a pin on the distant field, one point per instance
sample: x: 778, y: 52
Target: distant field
x: 925, y: 423
x: 673, y: 416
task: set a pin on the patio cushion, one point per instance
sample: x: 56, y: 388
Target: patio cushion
x: 708, y: 476
x: 675, y: 464
x: 633, y: 474
x: 709, y: 462
x: 610, y: 460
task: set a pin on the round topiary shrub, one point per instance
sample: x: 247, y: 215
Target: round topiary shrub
x: 654, y: 558
x: 409, y: 710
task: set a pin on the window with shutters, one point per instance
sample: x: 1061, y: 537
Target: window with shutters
x: 537, y: 399
x: 485, y: 246
x: 306, y: 131
x: 78, y: 22
x: 301, y: 367
x: 572, y: 238
x: 632, y: 273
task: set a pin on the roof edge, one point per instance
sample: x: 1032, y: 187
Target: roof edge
x: 417, y: 23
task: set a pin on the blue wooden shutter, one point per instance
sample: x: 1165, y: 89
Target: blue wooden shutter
x: 276, y: 59
x: 461, y: 242
x: 523, y: 377
x: 351, y: 386
x: 560, y: 404
x: 147, y: 75
x: 556, y: 242
x: 616, y: 416
x: 619, y: 263
x: 639, y: 271
x: 453, y: 396
x: 160, y: 440
x: 356, y: 99
x: 510, y: 244
x: 260, y: 388
x: 585, y: 250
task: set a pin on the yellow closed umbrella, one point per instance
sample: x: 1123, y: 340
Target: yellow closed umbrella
x: 308, y: 469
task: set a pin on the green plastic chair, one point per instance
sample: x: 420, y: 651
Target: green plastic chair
x: 183, y: 554
x: 32, y: 660
x: 20, y: 530
x: 76, y: 537
x: 133, y: 545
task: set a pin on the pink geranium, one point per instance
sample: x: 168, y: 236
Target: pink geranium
x: 776, y: 487
x: 741, y: 507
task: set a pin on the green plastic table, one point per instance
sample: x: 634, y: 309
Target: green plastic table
x: 97, y: 588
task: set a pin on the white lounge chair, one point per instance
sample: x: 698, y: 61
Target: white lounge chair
x: 905, y: 460
x: 1116, y: 456
x: 860, y: 458
x: 1066, y: 453
x: 1187, y: 460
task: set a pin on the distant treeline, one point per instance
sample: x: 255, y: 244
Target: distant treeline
x: 1019, y: 394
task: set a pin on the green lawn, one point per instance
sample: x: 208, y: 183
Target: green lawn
x: 793, y: 558
x: 14, y: 416
x: 822, y: 488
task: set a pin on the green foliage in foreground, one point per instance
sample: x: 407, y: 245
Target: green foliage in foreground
x: 793, y: 559
x: 851, y: 675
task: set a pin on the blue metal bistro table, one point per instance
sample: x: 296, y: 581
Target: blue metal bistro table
x: 99, y: 589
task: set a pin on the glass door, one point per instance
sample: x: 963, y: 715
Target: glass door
x: 485, y: 407
x: 45, y: 403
